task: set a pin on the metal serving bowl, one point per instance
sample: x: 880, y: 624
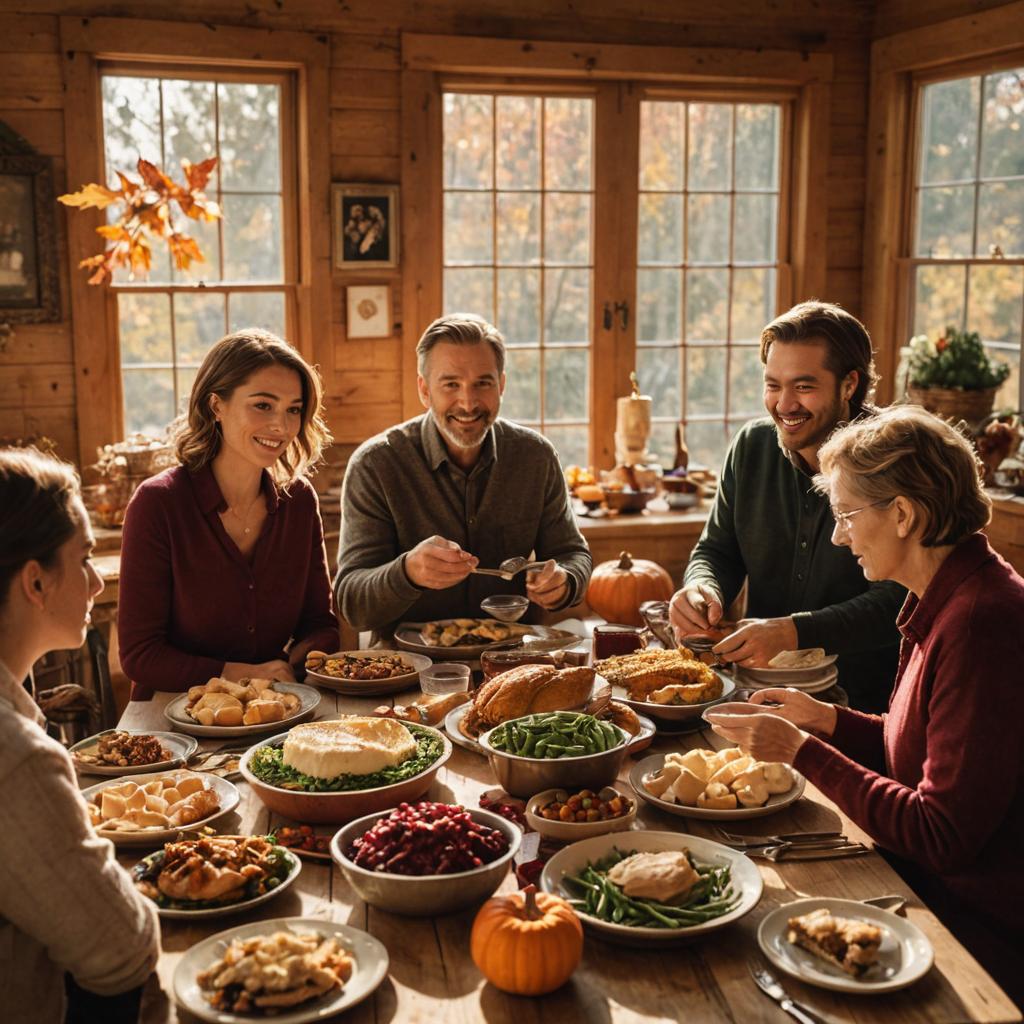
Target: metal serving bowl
x: 524, y: 776
x: 424, y: 895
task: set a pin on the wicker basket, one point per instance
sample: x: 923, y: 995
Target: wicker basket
x: 954, y: 403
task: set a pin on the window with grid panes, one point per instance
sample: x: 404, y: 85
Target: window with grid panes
x: 518, y: 198
x: 967, y: 260
x: 168, y: 320
x: 707, y: 264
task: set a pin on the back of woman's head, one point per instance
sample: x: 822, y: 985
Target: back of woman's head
x: 37, y: 515
x: 229, y: 363
x: 904, y: 450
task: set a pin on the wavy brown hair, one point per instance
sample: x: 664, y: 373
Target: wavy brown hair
x: 846, y: 340
x: 906, y: 451
x: 37, y: 493
x: 196, y: 435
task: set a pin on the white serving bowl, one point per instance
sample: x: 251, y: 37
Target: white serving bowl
x: 571, y: 831
x: 424, y: 895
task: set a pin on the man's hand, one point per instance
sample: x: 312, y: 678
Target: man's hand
x: 547, y: 586
x: 757, y: 641
x: 436, y: 564
x: 695, y: 608
x: 765, y: 737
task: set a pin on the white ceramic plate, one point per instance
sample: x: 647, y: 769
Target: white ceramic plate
x: 371, y: 967
x: 815, y: 684
x: 175, y: 913
x: 309, y: 701
x: 672, y: 713
x: 373, y: 687
x: 570, y: 861
x: 573, y: 831
x: 904, y: 956
x: 226, y: 792
x: 407, y: 636
x: 180, y: 747
x: 783, y: 676
x: 460, y: 739
x: 776, y: 802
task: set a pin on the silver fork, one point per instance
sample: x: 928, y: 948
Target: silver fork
x: 789, y: 837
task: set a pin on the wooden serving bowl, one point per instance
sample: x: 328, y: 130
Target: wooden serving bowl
x: 337, y: 808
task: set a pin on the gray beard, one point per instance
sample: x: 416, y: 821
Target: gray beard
x: 454, y: 439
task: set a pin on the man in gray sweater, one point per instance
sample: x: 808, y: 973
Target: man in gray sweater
x: 426, y: 502
x: 770, y: 527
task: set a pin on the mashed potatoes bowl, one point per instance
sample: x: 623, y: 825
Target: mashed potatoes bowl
x: 366, y: 755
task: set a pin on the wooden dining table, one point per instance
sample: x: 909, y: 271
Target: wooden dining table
x: 432, y: 977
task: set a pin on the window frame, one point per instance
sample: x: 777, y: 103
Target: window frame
x: 617, y: 75
x: 901, y: 64
x: 88, y: 48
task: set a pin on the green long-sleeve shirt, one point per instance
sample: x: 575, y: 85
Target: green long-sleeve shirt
x: 401, y: 487
x: 769, y: 526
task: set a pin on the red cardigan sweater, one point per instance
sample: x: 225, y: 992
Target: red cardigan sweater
x: 938, y: 780
x: 189, y: 601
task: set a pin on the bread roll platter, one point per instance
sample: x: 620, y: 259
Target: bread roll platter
x: 244, y: 708
x: 722, y: 786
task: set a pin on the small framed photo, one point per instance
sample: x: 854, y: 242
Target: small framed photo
x: 369, y: 311
x: 364, y: 220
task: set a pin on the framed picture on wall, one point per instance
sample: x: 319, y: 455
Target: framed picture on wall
x: 364, y: 223
x: 369, y: 311
x: 28, y: 238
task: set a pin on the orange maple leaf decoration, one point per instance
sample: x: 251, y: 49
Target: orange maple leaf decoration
x: 146, y: 213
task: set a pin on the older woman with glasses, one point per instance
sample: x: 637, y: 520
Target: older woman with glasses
x: 938, y: 780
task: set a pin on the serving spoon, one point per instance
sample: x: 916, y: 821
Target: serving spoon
x: 510, y: 567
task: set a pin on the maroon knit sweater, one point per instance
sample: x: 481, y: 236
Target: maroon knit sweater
x: 189, y: 601
x: 938, y: 780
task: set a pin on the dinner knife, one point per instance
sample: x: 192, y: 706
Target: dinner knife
x: 792, y: 837
x: 766, y: 983
x: 788, y: 852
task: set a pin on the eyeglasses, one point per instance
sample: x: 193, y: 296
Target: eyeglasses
x: 843, y: 518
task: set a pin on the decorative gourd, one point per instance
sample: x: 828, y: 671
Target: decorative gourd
x: 618, y: 588
x: 527, y: 943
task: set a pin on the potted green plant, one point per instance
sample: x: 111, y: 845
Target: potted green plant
x: 953, y: 376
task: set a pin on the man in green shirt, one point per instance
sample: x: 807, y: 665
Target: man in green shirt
x: 426, y: 502
x: 769, y: 526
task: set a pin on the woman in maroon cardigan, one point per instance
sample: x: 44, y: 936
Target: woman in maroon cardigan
x: 223, y: 568
x: 938, y: 780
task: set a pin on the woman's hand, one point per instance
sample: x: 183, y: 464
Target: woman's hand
x: 797, y: 707
x: 764, y: 736
x: 277, y: 669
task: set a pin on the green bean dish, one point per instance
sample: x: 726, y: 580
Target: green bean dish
x: 268, y: 766
x: 595, y: 894
x: 556, y: 734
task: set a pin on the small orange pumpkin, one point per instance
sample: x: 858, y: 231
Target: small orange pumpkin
x: 527, y: 943
x: 618, y: 588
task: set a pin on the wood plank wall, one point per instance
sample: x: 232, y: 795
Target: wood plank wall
x: 36, y: 379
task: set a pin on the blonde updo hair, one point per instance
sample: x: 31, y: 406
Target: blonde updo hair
x: 196, y: 435
x: 904, y: 450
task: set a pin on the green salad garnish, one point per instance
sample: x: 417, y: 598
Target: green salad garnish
x: 267, y: 764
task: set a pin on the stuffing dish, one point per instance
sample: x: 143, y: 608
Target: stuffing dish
x: 268, y: 973
x: 347, y: 666
x: 465, y: 632
x: 666, y: 677
x: 125, y: 750
x: 212, y: 871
